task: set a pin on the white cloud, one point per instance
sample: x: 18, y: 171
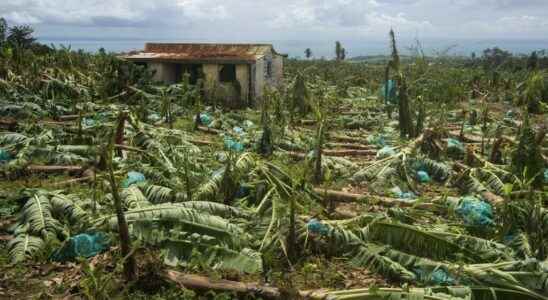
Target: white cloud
x: 523, y: 23
x: 364, y: 17
x: 399, y: 22
x: 82, y: 12
x: 203, y: 9
x: 21, y: 18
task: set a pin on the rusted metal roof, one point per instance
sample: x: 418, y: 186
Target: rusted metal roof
x: 202, y: 53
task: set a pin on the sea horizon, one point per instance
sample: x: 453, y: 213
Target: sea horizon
x: 325, y: 49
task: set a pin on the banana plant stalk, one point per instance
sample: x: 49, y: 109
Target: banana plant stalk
x: 120, y: 131
x: 319, y: 150
x: 125, y: 241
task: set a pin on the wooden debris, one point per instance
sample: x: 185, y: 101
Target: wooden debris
x: 209, y: 130
x: 202, y: 142
x: 340, y: 196
x: 53, y: 169
x: 350, y: 152
x: 335, y: 153
x: 8, y: 124
x: 465, y: 138
x: 350, y: 146
x: 348, y: 139
x: 202, y: 283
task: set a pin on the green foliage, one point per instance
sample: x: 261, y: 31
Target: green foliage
x: 300, y: 99
x: 20, y: 37
x: 535, y: 87
x: 24, y: 246
x: 527, y: 161
x: 96, y: 282
x: 3, y: 31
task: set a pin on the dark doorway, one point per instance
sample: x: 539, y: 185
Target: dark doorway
x: 227, y: 73
x: 194, y: 70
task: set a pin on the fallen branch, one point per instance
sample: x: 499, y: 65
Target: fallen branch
x: 350, y: 152
x: 201, y: 142
x: 351, y: 146
x: 56, y: 123
x: 465, y: 138
x: 83, y: 179
x: 295, y: 155
x: 197, y: 282
x: 8, y: 124
x: 128, y: 148
x: 340, y: 196
x: 348, y: 139
x: 495, y: 200
x: 53, y: 169
x: 307, y: 122
x: 209, y: 130
x: 335, y: 153
x: 72, y: 117
x: 71, y: 181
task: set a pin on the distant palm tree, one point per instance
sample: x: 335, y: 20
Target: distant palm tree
x: 21, y: 37
x: 338, y: 50
x: 308, y: 53
x: 3, y: 30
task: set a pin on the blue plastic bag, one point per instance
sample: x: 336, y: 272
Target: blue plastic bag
x: 205, y: 119
x: 386, y: 151
x: 233, y: 145
x: 82, y: 245
x: 475, y: 212
x: 317, y: 227
x: 423, y: 177
x: 238, y: 130
x: 243, y: 191
x: 154, y: 117
x: 132, y: 178
x: 5, y: 156
x: 438, y: 277
x: 388, y: 93
x: 402, y: 195
x: 455, y: 146
x: 377, y: 139
x: 88, y: 122
x: 546, y: 175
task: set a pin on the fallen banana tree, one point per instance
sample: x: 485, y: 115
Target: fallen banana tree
x: 341, y: 196
x: 204, y: 284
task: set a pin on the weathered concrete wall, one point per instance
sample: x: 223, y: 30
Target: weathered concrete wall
x: 211, y: 72
x: 211, y: 77
x: 261, y: 77
x: 278, y: 65
x: 214, y: 88
x: 242, y: 75
x: 259, y: 80
x: 164, y: 72
x: 269, y: 78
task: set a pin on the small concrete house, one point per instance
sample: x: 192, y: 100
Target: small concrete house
x: 253, y: 66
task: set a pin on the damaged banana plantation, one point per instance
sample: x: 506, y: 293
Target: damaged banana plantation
x: 405, y: 177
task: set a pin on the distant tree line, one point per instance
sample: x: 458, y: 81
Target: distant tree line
x: 19, y: 37
x: 497, y: 58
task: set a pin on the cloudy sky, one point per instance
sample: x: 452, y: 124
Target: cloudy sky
x: 291, y: 24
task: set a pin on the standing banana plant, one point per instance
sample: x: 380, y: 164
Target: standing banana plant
x: 130, y: 267
x: 321, y: 108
